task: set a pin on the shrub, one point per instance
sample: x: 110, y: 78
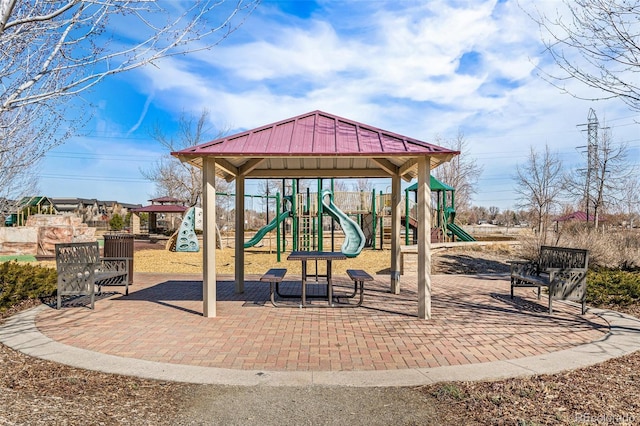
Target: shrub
x: 20, y: 281
x: 116, y: 223
x: 608, y: 287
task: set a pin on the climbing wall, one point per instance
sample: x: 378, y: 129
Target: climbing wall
x: 187, y: 239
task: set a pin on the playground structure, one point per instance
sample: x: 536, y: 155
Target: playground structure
x: 303, y: 219
x: 444, y: 228
x: 185, y: 239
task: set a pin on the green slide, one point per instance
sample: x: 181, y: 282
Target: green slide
x: 267, y: 228
x: 459, y: 232
x: 353, y: 236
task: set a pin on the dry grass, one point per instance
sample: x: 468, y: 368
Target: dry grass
x: 611, y: 249
x: 255, y: 262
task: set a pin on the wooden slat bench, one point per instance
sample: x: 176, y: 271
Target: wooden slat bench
x: 81, y: 269
x: 274, y: 277
x: 359, y: 277
x: 562, y: 270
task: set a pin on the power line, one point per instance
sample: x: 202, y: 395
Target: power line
x: 106, y: 157
x: 94, y: 178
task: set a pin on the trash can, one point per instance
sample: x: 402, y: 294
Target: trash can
x: 120, y: 245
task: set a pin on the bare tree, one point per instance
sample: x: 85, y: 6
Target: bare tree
x: 462, y: 172
x: 507, y: 218
x: 172, y: 177
x: 269, y: 188
x: 539, y: 185
x: 493, y: 213
x: 341, y: 185
x: 25, y: 134
x: 362, y: 185
x: 605, y: 175
x: 630, y: 202
x: 52, y: 51
x: 597, y: 43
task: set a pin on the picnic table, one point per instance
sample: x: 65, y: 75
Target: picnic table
x: 304, y: 257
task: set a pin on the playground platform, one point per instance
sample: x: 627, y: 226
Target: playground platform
x: 477, y: 332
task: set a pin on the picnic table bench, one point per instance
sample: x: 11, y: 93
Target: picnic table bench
x: 274, y: 277
x: 562, y: 270
x: 81, y: 269
x: 358, y: 276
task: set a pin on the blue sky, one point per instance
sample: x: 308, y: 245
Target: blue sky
x: 422, y: 69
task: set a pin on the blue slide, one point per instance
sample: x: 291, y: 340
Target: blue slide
x: 353, y: 236
x: 267, y: 228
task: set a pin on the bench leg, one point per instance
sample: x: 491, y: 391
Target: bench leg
x: 359, y: 287
x: 355, y: 290
x: 361, y: 283
x: 273, y: 290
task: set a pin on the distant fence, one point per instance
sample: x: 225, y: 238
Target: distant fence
x: 100, y: 225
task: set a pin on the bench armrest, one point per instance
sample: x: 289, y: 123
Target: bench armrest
x: 568, y: 283
x: 113, y: 264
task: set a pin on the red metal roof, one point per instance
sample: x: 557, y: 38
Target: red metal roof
x: 314, y: 134
x: 579, y: 216
x: 168, y: 200
x: 161, y: 208
x: 316, y: 144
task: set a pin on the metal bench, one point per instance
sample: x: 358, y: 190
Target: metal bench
x: 562, y: 270
x: 81, y: 269
x: 274, y: 277
x: 359, y: 277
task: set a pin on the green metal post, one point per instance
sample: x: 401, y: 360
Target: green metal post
x: 406, y: 217
x: 441, y: 205
x: 333, y: 222
x: 310, y: 234
x: 294, y: 226
x: 373, y: 218
x: 278, y: 244
x: 382, y: 225
x: 453, y: 203
x: 319, y: 215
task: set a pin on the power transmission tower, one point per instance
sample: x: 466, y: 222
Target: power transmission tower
x: 592, y: 156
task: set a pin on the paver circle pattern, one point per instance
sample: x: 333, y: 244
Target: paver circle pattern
x: 474, y: 320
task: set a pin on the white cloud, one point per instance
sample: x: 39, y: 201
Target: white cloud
x: 393, y: 67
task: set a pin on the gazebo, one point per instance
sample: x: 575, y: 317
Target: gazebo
x: 167, y: 205
x: 317, y: 145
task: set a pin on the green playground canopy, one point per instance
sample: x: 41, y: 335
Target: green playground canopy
x: 435, y: 185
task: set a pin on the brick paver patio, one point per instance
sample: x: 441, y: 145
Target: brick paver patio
x: 474, y: 321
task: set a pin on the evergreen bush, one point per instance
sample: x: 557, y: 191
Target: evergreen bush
x: 20, y: 281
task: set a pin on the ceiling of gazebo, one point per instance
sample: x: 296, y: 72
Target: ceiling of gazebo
x: 316, y: 144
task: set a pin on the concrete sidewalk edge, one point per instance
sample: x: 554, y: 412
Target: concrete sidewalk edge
x: 20, y: 333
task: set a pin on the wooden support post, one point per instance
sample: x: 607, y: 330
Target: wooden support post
x: 209, y: 236
x: 239, y: 260
x: 396, y: 213
x: 424, y: 238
